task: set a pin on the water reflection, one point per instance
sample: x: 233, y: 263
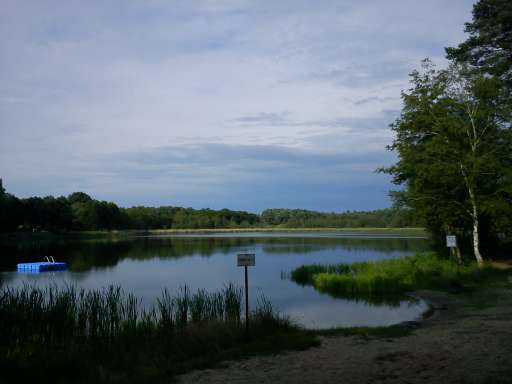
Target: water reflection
x: 84, y: 255
x: 146, y: 265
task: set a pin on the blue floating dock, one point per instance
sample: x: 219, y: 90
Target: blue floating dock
x: 44, y: 266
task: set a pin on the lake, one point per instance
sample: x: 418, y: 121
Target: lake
x: 145, y: 265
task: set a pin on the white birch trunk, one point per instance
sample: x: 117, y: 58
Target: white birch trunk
x: 476, y: 236
x: 474, y: 216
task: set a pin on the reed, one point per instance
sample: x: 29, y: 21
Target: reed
x: 57, y: 313
x: 110, y: 331
x: 392, y: 276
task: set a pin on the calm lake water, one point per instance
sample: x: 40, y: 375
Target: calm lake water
x: 147, y: 265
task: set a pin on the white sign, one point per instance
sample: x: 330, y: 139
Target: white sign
x: 451, y: 241
x: 246, y: 260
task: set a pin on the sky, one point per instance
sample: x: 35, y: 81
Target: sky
x: 243, y: 104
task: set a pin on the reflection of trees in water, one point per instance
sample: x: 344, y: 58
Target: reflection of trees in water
x: 308, y: 245
x: 83, y: 255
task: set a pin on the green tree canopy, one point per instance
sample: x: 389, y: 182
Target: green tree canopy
x: 79, y: 197
x: 489, y: 46
x: 454, y: 145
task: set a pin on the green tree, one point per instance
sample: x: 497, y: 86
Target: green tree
x: 489, y: 45
x: 11, y: 211
x: 79, y: 197
x: 454, y: 146
x: 85, y: 215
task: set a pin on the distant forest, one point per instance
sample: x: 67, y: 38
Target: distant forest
x: 80, y: 212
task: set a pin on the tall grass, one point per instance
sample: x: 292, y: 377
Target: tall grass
x: 54, y: 313
x: 59, y: 329
x: 393, y: 276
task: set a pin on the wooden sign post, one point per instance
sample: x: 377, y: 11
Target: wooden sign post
x: 246, y: 260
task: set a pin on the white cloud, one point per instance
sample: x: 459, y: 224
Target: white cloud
x: 86, y: 81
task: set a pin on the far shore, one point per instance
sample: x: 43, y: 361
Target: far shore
x: 284, y: 229
x: 409, y: 232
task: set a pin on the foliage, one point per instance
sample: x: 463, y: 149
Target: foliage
x: 300, y: 218
x: 372, y: 279
x: 10, y: 207
x: 454, y: 136
x: 488, y: 51
x: 453, y: 140
x: 489, y: 46
x: 181, y: 218
x: 68, y: 335
x: 80, y: 212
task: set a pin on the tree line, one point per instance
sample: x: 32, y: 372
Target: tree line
x: 454, y: 137
x: 79, y: 212
x: 301, y: 218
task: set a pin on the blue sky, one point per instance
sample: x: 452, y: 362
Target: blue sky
x: 240, y: 104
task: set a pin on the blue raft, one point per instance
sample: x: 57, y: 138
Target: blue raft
x: 44, y: 266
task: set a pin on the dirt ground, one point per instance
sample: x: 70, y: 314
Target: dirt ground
x: 460, y: 343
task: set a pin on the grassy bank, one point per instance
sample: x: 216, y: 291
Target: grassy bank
x: 69, y: 335
x: 374, y: 279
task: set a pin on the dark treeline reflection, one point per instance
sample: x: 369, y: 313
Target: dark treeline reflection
x: 307, y: 245
x: 84, y: 255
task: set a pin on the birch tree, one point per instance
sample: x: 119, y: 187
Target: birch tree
x: 454, y: 149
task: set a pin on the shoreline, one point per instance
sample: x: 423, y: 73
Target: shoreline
x: 411, y: 232
x: 458, y: 341
x: 34, y: 236
x: 436, y: 301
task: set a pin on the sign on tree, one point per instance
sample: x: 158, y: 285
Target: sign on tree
x: 451, y: 241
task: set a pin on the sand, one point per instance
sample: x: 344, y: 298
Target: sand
x: 459, y: 343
